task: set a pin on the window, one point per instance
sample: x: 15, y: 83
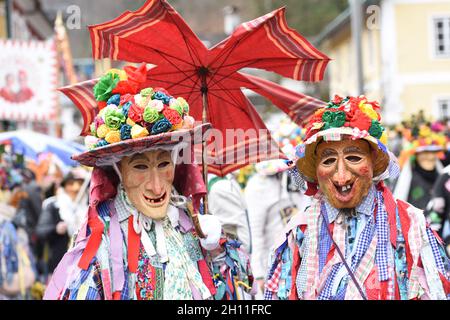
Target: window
x: 442, y: 36
x: 444, y: 109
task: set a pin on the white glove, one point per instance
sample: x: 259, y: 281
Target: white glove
x: 212, y: 228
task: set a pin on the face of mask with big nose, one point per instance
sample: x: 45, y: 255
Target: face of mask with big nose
x: 344, y: 171
x: 147, y: 179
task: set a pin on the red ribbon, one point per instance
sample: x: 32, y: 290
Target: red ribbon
x: 96, y: 226
x: 133, y: 246
x: 390, y: 205
x: 206, y: 276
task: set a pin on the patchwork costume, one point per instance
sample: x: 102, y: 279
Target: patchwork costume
x: 383, y: 249
x: 121, y: 253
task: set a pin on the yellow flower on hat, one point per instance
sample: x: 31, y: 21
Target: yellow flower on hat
x: 138, y: 132
x: 424, y: 131
x: 113, y: 136
x: 130, y: 122
x: 177, y: 126
x: 121, y: 73
x: 384, y: 138
x: 368, y: 110
x: 317, y: 125
x: 102, y: 131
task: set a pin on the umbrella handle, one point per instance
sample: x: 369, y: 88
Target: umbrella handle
x: 194, y: 216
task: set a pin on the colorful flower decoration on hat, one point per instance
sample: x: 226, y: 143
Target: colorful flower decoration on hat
x: 128, y: 110
x: 425, y: 137
x: 357, y: 113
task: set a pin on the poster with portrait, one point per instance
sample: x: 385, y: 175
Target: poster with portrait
x: 28, y: 79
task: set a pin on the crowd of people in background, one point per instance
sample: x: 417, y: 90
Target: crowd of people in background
x: 40, y: 213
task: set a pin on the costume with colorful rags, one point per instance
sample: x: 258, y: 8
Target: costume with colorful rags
x: 142, y: 235
x: 355, y: 241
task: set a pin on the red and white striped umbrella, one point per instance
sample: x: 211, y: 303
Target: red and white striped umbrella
x: 209, y: 79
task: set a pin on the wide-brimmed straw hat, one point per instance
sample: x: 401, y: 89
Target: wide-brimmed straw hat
x: 344, y: 118
x: 133, y: 119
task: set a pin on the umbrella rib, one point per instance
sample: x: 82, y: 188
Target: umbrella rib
x: 224, y: 76
x: 174, y: 83
x: 193, y: 88
x: 183, y: 72
x: 237, y: 104
x: 220, y: 66
x: 188, y: 45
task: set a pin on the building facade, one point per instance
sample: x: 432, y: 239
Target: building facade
x: 405, y: 56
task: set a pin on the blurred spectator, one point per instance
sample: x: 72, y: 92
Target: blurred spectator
x: 272, y: 201
x: 61, y: 217
x: 17, y: 272
x: 226, y: 201
x: 29, y: 211
x: 420, y: 166
x: 438, y: 209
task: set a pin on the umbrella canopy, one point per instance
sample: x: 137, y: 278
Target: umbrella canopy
x: 31, y: 144
x: 209, y: 79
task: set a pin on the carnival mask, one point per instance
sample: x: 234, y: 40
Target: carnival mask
x: 344, y: 171
x: 147, y: 179
x: 427, y: 160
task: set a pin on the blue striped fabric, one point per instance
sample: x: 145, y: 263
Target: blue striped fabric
x: 383, y: 239
x: 436, y: 252
x: 362, y: 244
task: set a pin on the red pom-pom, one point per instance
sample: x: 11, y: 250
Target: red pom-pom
x: 125, y: 98
x: 337, y: 99
x: 126, y: 87
x: 361, y: 121
x: 136, y: 76
x: 135, y: 113
x: 101, y: 105
x: 172, y: 115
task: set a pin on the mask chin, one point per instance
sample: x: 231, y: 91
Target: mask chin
x: 156, y: 213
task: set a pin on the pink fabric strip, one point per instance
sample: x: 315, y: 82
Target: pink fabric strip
x: 115, y: 236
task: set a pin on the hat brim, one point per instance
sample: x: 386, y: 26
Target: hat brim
x: 307, y: 164
x: 430, y: 148
x: 113, y: 153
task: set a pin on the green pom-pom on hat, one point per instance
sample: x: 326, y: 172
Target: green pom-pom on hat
x: 104, y: 87
x: 151, y: 115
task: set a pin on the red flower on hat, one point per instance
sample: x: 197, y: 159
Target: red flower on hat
x: 360, y: 120
x: 135, y: 113
x: 101, y: 105
x: 125, y: 98
x: 375, y: 106
x: 172, y: 115
x: 355, y: 101
x: 126, y: 87
x: 135, y: 75
x: 135, y: 78
x: 337, y: 99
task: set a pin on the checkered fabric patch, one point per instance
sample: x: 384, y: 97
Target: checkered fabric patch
x: 272, y: 283
x: 436, y: 252
x: 383, y: 239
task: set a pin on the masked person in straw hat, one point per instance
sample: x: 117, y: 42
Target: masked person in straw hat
x: 421, y: 165
x: 355, y: 241
x: 142, y: 238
